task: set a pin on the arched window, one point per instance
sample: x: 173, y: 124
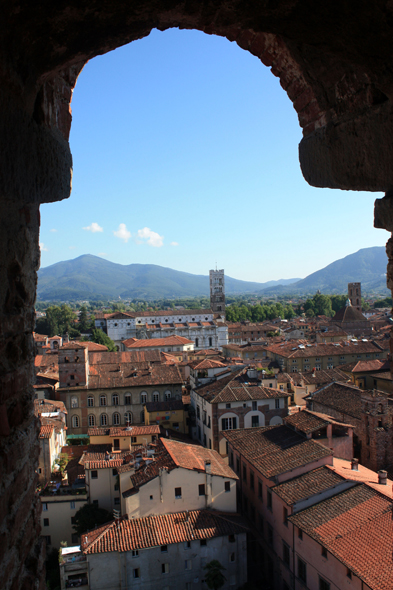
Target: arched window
x: 142, y: 417
x: 156, y: 396
x: 75, y: 421
x: 104, y: 420
x: 115, y: 399
x: 90, y: 401
x: 167, y: 394
x: 127, y: 399
x: 74, y: 402
x: 143, y: 397
x: 127, y: 418
x: 116, y: 419
x: 91, y: 420
x: 102, y: 400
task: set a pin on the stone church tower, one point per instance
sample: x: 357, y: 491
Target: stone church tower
x: 217, y: 291
x: 376, y: 431
x: 355, y: 295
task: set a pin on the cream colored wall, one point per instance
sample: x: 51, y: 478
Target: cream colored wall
x: 162, y: 490
x: 103, y: 488
x: 175, y: 416
x: 59, y: 513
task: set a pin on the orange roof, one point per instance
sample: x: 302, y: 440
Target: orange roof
x: 364, y: 475
x: 122, y: 431
x: 154, y: 342
x: 195, y: 458
x: 46, y: 430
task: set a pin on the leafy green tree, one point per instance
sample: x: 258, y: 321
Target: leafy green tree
x: 214, y: 577
x: 83, y: 323
x: 289, y: 312
x: 338, y: 302
x: 90, y: 516
x: 100, y: 337
x: 61, y: 320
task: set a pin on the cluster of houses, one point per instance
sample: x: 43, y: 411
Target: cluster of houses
x: 273, y: 456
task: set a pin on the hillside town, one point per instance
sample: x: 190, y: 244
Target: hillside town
x: 202, y: 452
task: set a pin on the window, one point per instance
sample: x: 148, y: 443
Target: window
x: 74, y: 400
x: 116, y: 500
x: 324, y: 552
x: 254, y: 406
x: 198, y: 412
x: 259, y: 489
x: 269, y: 500
x: 45, y: 506
x: 75, y: 421
x: 116, y: 419
x: 323, y: 584
x: 300, y: 534
x: 128, y: 418
x: 46, y: 521
x: 115, y: 399
x: 232, y: 557
x: 349, y: 573
x: 142, y: 419
x: 94, y: 474
x: 187, y: 564
x: 156, y: 396
x: 254, y: 421
x: 137, y: 572
x: 302, y: 570
x: 91, y: 420
x: 177, y: 493
x: 251, y: 480
x: 102, y: 400
x: 135, y: 553
x: 244, y: 473
x: 277, y: 404
x: 187, y: 545
x: 167, y: 395
x: 165, y: 568
x: 164, y: 548
x: 104, y: 420
x: 227, y: 406
x: 227, y: 486
x: 231, y: 538
x: 203, y: 543
x: 72, y: 505
x: 228, y: 423
x: 201, y: 489
x: 47, y: 539
x: 143, y: 397
x: 285, y: 554
x: 90, y: 401
x: 237, y: 465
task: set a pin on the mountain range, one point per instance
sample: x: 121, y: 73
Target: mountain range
x: 91, y: 277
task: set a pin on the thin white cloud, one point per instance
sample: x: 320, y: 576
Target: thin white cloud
x: 53, y: 230
x: 122, y: 233
x: 94, y: 228
x: 152, y: 237
x: 43, y: 248
x: 102, y: 254
x: 174, y: 243
x: 71, y: 247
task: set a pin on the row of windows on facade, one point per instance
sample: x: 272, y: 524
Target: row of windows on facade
x: 104, y: 420
x: 103, y: 399
x: 254, y: 408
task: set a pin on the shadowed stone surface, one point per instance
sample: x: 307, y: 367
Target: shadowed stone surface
x: 333, y: 60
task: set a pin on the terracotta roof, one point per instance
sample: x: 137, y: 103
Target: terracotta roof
x: 206, y: 364
x: 98, y: 458
x: 324, y: 376
x: 46, y: 406
x: 130, y: 356
x: 161, y: 313
x: 292, y: 350
x: 349, y: 314
x: 356, y: 527
x: 170, y: 405
x: 150, y: 342
x: 165, y: 529
x: 342, y: 397
x: 364, y: 366
x: 46, y: 430
x: 195, y: 458
x: 363, y: 475
x: 116, y: 431
x: 275, y: 449
x: 305, y: 421
x: 307, y: 485
x: 237, y: 387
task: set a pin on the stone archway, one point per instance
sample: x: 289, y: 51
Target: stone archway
x: 331, y: 61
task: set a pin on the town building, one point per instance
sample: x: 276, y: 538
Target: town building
x: 162, y: 551
x: 355, y: 295
x: 59, y: 506
x: 236, y: 401
x: 170, y: 344
x: 202, y: 326
x: 246, y: 331
x: 168, y: 414
x: 176, y: 476
x: 110, y: 388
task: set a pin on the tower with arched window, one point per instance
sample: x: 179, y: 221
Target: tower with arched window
x: 376, y: 432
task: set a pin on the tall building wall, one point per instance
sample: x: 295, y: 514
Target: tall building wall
x: 217, y: 290
x: 355, y: 295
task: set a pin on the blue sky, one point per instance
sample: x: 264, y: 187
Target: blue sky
x: 185, y: 153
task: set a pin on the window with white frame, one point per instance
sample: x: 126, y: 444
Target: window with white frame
x: 116, y: 419
x: 156, y: 396
x: 90, y: 401
x: 127, y: 399
x: 104, y: 420
x: 128, y: 417
x: 91, y: 420
x: 115, y: 399
x: 102, y: 400
x: 167, y: 394
x: 228, y: 423
x: 143, y: 397
x: 75, y: 421
x: 74, y: 402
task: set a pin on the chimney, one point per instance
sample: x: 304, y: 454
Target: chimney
x: 208, y: 467
x: 382, y: 478
x: 355, y: 464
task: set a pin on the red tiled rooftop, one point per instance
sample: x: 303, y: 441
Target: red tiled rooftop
x: 150, y: 342
x: 123, y: 431
x: 46, y: 430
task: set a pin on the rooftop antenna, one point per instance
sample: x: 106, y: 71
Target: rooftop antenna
x: 216, y: 264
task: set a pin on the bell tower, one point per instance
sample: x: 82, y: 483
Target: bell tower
x: 217, y: 290
x: 355, y: 295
